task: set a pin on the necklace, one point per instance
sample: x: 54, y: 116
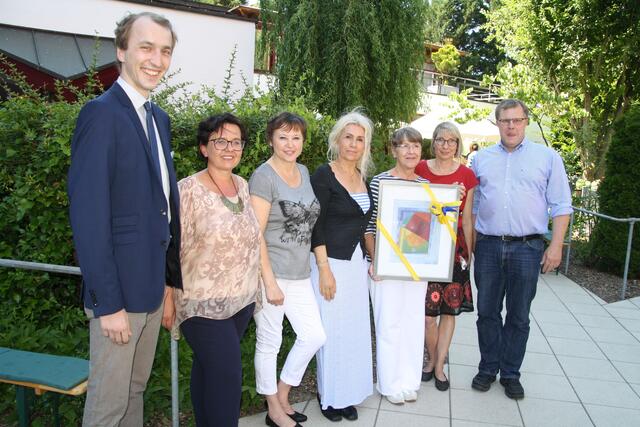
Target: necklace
x: 237, y: 207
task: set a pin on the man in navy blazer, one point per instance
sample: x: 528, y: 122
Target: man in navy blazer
x: 124, y: 211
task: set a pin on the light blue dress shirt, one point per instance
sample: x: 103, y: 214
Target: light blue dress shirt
x: 518, y: 190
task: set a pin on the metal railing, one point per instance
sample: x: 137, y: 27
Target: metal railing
x: 480, y: 92
x: 66, y: 269
x: 631, y: 221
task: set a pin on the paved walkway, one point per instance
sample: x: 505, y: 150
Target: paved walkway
x: 582, y: 368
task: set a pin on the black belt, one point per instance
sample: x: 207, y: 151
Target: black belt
x: 513, y: 238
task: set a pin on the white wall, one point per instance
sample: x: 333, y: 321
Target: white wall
x: 202, y: 54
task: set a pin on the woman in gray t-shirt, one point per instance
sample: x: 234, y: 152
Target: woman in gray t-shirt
x: 287, y: 209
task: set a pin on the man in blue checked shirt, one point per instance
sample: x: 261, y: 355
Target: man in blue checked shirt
x: 521, y: 184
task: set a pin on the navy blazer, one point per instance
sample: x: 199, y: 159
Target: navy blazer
x: 126, y: 248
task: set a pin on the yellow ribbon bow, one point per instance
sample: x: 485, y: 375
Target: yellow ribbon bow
x: 440, y: 210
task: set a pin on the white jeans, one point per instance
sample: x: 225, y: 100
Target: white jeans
x: 398, y: 313
x: 301, y: 309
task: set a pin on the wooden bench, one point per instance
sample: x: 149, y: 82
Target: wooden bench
x: 38, y: 373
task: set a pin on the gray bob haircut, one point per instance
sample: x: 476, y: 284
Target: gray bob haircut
x: 446, y: 127
x: 406, y: 133
x: 355, y: 117
x: 507, y: 104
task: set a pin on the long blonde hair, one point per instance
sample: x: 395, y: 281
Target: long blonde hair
x: 355, y: 117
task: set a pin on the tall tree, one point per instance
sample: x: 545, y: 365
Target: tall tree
x: 462, y: 22
x: 342, y: 54
x: 585, y: 53
x: 468, y: 33
x: 437, y: 18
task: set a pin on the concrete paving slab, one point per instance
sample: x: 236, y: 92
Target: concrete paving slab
x: 616, y: 336
x: 605, y: 322
x: 581, y: 308
x: 571, y: 347
x: 538, y: 363
x: 559, y: 317
x: 484, y: 407
x: 621, y: 352
x: 395, y: 419
x: 607, y: 393
x: 605, y: 416
x: 551, y: 387
x: 545, y: 413
x: 624, y: 313
x: 630, y: 371
x: 461, y: 354
x: 580, y: 367
x: 538, y: 344
x: 560, y: 330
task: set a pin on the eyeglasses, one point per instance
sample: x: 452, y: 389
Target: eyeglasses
x: 223, y: 144
x: 449, y: 142
x: 407, y: 147
x: 517, y: 121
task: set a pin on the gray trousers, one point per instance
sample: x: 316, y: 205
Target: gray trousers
x: 118, y: 374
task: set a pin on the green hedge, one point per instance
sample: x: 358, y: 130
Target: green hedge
x: 619, y: 195
x: 42, y: 312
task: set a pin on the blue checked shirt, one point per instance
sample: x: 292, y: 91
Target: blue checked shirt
x: 519, y: 190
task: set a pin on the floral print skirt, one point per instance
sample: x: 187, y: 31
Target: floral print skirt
x: 455, y: 297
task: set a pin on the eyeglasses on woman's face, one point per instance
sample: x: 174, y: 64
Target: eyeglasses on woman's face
x: 449, y: 142
x: 407, y: 146
x: 223, y: 144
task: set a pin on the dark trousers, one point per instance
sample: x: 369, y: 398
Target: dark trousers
x: 511, y: 270
x: 216, y: 372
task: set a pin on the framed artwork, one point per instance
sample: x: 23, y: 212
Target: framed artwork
x: 416, y: 230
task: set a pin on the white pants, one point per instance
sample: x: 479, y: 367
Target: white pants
x: 301, y: 309
x: 398, y: 313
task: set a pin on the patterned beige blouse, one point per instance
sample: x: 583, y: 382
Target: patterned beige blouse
x: 220, y: 254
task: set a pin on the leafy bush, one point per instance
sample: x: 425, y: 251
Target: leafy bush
x: 43, y: 312
x: 618, y: 197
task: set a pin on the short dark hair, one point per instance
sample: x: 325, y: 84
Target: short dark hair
x: 287, y: 121
x: 123, y: 28
x: 474, y: 147
x: 214, y: 124
x: 406, y: 133
x: 507, y: 104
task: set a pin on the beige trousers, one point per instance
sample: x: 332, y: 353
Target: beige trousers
x: 118, y: 374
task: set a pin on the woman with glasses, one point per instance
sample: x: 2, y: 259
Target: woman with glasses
x: 398, y: 305
x: 447, y: 300
x: 344, y: 374
x: 287, y: 209
x: 220, y: 255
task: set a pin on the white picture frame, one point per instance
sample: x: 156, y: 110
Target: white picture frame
x: 426, y: 244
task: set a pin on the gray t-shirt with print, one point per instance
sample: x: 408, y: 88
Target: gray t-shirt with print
x: 293, y: 214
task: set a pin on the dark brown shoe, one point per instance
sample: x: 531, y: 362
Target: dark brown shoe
x: 482, y: 382
x: 512, y: 388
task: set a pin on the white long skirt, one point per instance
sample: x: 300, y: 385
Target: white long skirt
x: 345, y: 367
x: 398, y: 313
